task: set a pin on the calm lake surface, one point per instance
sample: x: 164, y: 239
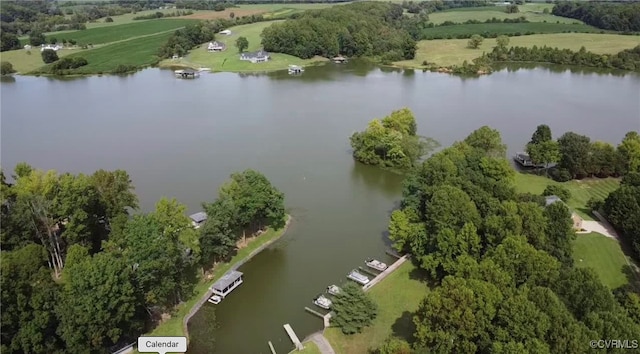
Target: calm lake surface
x: 183, y: 138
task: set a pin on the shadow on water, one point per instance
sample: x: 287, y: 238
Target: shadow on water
x: 205, y: 318
x: 322, y: 72
x: 384, y: 181
x: 558, y: 69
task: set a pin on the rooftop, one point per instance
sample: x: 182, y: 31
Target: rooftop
x: 258, y: 54
x: 226, y: 280
x: 199, y: 217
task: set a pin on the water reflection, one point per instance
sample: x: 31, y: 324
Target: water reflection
x: 374, y: 177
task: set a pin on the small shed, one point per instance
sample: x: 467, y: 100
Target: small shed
x: 198, y: 219
x: 227, y: 283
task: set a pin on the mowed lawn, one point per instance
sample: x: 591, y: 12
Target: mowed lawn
x: 447, y: 52
x: 604, y: 255
x: 532, y: 12
x: 509, y: 29
x: 24, y: 61
x: 309, y: 348
x: 397, y: 297
x: 229, y: 59
x: 581, y: 191
x: 137, y: 52
x: 122, y: 32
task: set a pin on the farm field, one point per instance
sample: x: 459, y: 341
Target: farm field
x: 122, y: 32
x: 395, y: 313
x: 532, y: 12
x: 128, y: 18
x: 604, y: 255
x: 445, y: 52
x: 135, y: 52
x: 228, y: 60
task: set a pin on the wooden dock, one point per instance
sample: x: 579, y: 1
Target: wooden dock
x: 273, y: 350
x: 314, y: 312
x: 393, y: 254
x: 384, y: 274
x: 293, y: 337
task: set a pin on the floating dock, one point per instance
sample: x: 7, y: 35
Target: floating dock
x: 293, y: 337
x: 384, y: 274
x: 273, y: 350
x: 314, y: 312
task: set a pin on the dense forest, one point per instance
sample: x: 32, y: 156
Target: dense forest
x: 501, y: 263
x: 391, y: 142
x: 82, y: 274
x: 628, y: 59
x: 355, y: 30
x: 615, y: 16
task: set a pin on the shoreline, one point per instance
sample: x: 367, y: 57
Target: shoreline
x: 203, y: 298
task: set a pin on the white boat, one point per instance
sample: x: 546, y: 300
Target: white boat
x: 375, y: 264
x: 215, y: 299
x: 357, y: 277
x: 322, y: 301
x: 333, y: 289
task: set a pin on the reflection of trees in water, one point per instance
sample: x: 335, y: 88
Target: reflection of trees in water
x: 558, y: 69
x: 7, y: 79
x: 384, y: 181
x: 202, y: 326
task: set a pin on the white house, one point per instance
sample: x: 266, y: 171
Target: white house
x: 215, y: 47
x: 54, y: 47
x: 225, y: 32
x: 255, y: 57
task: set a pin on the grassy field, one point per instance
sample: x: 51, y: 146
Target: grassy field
x: 122, y: 32
x: 532, y: 12
x: 26, y: 61
x: 452, y: 32
x: 604, y: 255
x: 397, y: 297
x: 309, y: 348
x: 447, y: 52
x: 581, y: 191
x: 229, y: 59
x: 173, y: 326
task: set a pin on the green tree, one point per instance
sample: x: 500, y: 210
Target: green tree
x: 542, y: 134
x: 394, y: 345
x: 8, y: 41
x: 502, y: 41
x: 582, y: 292
x: 232, y: 15
x: 98, y: 303
x: 622, y: 208
x: 219, y: 234
x: 557, y: 190
x: 6, y: 68
x: 629, y: 150
x: 108, y: 19
x: 487, y: 140
x: 475, y: 41
x: 530, y: 266
x: 37, y: 38
x: 560, y: 232
x: 604, y: 160
x: 575, y: 154
x: 242, y: 43
x: 49, y: 56
x: 353, y: 309
x: 512, y: 9
x: 520, y: 320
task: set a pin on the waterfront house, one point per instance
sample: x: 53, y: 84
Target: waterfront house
x: 215, y: 47
x: 255, y: 57
x: 577, y: 219
x: 198, y: 219
x: 226, y: 283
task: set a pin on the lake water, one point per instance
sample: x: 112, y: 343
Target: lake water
x: 183, y: 138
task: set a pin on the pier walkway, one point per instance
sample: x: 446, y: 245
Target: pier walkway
x: 293, y: 336
x: 384, y: 274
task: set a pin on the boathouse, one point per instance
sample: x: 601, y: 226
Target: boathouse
x: 339, y: 59
x: 198, y: 219
x: 576, y: 219
x: 186, y: 74
x: 255, y: 57
x: 227, y: 283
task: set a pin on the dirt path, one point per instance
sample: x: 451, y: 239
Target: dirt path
x: 322, y: 343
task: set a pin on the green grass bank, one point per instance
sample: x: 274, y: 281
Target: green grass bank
x: 604, y: 255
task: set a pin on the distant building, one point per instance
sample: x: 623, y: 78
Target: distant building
x: 577, y: 219
x: 198, y: 219
x: 255, y: 57
x: 27, y: 47
x: 54, y: 47
x: 215, y: 47
x: 225, y: 32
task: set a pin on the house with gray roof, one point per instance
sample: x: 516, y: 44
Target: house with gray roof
x: 227, y: 283
x: 255, y: 57
x: 198, y: 219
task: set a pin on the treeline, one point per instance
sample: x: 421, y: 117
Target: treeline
x: 391, y: 142
x: 80, y: 274
x: 628, y: 59
x: 521, y: 19
x: 577, y: 157
x: 495, y: 29
x: 499, y: 263
x: 622, y: 207
x: 615, y: 16
x: 426, y: 7
x: 357, y: 29
x: 163, y: 15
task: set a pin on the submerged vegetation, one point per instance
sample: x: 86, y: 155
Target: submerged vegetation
x: 391, y: 142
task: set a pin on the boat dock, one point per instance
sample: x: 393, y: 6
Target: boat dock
x: 367, y: 271
x: 273, y: 350
x: 384, y: 274
x: 293, y: 337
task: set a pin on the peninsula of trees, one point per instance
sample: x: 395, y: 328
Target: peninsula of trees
x: 500, y: 264
x: 391, y: 142
x: 371, y: 29
x: 80, y: 274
